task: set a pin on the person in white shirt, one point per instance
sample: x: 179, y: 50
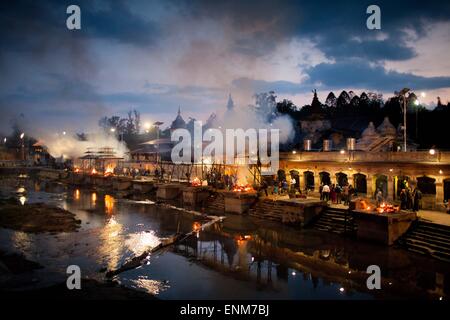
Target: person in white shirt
x: 326, y: 192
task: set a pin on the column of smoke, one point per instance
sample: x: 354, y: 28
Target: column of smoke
x: 252, y: 118
x: 71, y: 147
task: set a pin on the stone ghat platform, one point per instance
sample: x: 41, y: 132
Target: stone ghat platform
x: 196, y: 197
x: 384, y: 228
x: 168, y: 191
x: 299, y: 212
x: 239, y: 202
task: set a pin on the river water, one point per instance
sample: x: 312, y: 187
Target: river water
x: 239, y: 258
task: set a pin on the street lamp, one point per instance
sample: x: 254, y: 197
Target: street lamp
x: 22, y: 135
x: 402, y: 95
x: 157, y: 124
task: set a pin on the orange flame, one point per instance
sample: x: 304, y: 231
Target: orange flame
x: 242, y: 188
x: 109, y: 170
x: 196, y: 182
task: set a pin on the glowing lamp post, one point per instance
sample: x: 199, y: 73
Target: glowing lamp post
x: 22, y: 135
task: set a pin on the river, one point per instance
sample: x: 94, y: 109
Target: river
x: 239, y: 258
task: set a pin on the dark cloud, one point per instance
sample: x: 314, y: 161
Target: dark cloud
x: 333, y: 25
x: 355, y: 74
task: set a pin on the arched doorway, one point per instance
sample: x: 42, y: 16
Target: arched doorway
x: 308, y: 177
x: 447, y: 189
x: 341, y: 179
x: 360, y: 181
x: 427, y: 186
x: 296, y: 175
x: 325, y: 178
x: 381, y: 183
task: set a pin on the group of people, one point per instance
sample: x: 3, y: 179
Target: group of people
x: 410, y: 200
x: 336, y: 193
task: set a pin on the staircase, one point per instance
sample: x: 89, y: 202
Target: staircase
x: 336, y: 220
x: 429, y: 239
x: 216, y: 204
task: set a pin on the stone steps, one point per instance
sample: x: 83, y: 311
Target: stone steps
x: 428, y: 239
x: 216, y: 204
x: 335, y: 220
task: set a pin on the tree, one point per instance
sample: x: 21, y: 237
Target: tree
x: 331, y: 100
x: 265, y: 104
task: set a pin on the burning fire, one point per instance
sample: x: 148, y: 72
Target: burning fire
x: 388, y: 208
x: 196, y: 182
x: 109, y: 170
x: 94, y: 171
x: 197, y: 226
x: 77, y: 170
x: 242, y: 188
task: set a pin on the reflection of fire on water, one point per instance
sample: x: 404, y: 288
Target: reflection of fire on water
x: 109, y: 204
x: 77, y: 194
x: 196, y: 182
x: 112, y: 243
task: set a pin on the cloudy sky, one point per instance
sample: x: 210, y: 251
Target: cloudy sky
x: 158, y: 55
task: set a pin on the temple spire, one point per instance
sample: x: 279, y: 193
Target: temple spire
x: 230, y: 103
x: 179, y: 110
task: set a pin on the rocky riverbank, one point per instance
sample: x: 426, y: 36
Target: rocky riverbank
x: 36, y: 218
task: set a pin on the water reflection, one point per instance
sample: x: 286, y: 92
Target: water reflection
x: 22, y: 200
x: 238, y: 258
x: 111, y: 248
x: 109, y: 204
x: 94, y: 198
x: 143, y: 241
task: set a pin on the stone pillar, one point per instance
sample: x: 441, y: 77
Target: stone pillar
x: 390, y: 188
x: 439, y: 191
x: 350, y: 179
x: 302, y: 181
x: 316, y: 181
x: 369, y: 183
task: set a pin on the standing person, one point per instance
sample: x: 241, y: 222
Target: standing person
x: 403, y: 199
x: 326, y: 192
x: 338, y: 190
x: 275, y: 187
x: 345, y: 194
x: 285, y: 186
x: 333, y: 193
x: 409, y: 199
x: 379, y: 197
x: 351, y: 192
x: 264, y: 187
x: 417, y: 195
x: 293, y: 183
